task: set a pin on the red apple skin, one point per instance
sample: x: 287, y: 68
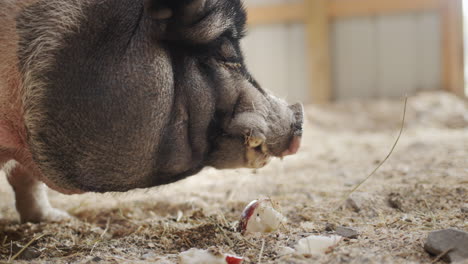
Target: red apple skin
x: 234, y: 260
x: 246, y: 214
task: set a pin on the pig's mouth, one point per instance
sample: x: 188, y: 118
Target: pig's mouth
x: 257, y: 157
x: 258, y: 153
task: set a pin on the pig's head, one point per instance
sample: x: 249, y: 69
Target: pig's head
x: 251, y: 137
x: 123, y: 94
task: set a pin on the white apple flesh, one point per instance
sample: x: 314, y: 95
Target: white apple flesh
x: 261, y: 216
x: 209, y: 256
x: 315, y: 245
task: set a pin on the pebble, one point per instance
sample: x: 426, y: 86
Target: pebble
x: 346, y: 232
x: 28, y: 253
x: 96, y: 259
x: 464, y: 209
x: 365, y: 204
x: 395, y: 201
x: 353, y: 204
x: 330, y: 227
x: 440, y: 241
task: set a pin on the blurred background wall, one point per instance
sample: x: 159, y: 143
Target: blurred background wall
x: 275, y: 55
x: 324, y: 50
x: 465, y: 46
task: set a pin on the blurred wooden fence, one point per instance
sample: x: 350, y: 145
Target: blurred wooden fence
x: 317, y: 16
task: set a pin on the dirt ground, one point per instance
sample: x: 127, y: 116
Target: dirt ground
x: 422, y: 187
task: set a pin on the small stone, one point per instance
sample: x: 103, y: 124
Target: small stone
x: 28, y: 253
x: 464, y: 209
x: 394, y: 200
x: 330, y: 227
x: 451, y: 239
x: 353, y: 204
x: 365, y: 204
x: 346, y: 232
x: 96, y: 259
x: 460, y: 190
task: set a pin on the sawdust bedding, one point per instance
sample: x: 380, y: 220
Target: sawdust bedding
x: 421, y: 188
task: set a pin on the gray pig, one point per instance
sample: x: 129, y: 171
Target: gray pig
x: 113, y: 95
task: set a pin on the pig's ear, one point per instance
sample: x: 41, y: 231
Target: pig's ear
x: 298, y: 111
x: 196, y: 21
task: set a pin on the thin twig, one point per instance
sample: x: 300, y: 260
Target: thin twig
x: 4, y: 240
x: 187, y: 242
x: 384, y: 160
x: 231, y: 244
x: 223, y: 218
x: 441, y: 255
x: 261, y: 252
x: 101, y: 236
x: 430, y: 211
x: 107, y: 227
x: 250, y: 243
x: 11, y: 251
x: 25, y: 247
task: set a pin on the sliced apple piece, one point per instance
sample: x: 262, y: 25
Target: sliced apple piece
x: 261, y: 216
x: 315, y: 245
x: 207, y: 256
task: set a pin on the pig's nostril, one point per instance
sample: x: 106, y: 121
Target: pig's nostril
x: 258, y: 149
x: 262, y: 149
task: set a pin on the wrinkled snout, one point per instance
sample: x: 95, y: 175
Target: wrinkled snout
x: 297, y: 127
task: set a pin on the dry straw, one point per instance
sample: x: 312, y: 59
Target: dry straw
x: 384, y: 160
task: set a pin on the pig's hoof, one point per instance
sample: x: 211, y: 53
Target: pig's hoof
x: 49, y: 215
x: 56, y: 215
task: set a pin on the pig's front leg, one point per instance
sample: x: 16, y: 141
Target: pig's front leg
x: 31, y: 197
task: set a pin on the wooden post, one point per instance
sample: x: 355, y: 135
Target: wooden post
x: 353, y: 8
x: 278, y: 13
x: 318, y: 50
x: 452, y: 47
x: 316, y: 14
